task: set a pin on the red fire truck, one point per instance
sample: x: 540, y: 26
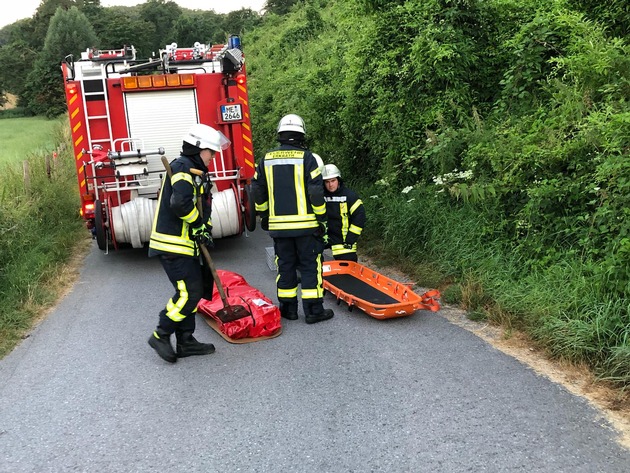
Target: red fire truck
x: 125, y: 114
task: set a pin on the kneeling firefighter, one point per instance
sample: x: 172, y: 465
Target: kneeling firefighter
x: 289, y: 196
x: 178, y: 229
x: 346, y: 215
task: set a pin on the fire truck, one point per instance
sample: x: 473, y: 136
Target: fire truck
x: 127, y: 114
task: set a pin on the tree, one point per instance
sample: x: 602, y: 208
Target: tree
x: 239, y: 21
x: 163, y: 14
x: 203, y: 26
x: 42, y: 17
x: 279, y: 7
x: 69, y: 32
x: 17, y: 59
x: 122, y: 26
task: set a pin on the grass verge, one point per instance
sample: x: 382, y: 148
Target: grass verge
x: 562, y: 307
x: 40, y: 234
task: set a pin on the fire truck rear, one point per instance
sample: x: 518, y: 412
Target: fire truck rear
x: 125, y: 114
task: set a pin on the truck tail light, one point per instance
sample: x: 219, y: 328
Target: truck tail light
x: 240, y: 79
x: 87, y: 210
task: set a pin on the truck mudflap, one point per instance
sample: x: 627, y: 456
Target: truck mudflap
x: 376, y: 295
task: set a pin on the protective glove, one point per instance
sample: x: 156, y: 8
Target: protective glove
x: 202, y: 235
x: 264, y: 223
x: 322, y: 231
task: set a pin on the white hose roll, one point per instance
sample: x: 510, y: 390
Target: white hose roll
x: 225, y: 215
x: 132, y: 221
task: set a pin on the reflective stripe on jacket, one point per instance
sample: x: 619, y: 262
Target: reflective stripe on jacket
x: 346, y: 218
x: 288, y: 189
x: 177, y: 210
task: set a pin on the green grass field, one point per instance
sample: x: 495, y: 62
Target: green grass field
x: 35, y: 134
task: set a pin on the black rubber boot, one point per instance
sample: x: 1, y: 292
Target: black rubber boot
x: 317, y: 313
x: 187, y: 345
x: 289, y: 310
x: 160, y: 341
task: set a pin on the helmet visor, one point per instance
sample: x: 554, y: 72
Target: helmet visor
x: 224, y: 142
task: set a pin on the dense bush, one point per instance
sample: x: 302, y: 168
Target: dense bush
x: 507, y: 126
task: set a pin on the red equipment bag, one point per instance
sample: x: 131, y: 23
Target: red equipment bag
x: 264, y: 321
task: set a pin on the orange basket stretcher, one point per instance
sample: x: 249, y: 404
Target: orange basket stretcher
x: 376, y: 295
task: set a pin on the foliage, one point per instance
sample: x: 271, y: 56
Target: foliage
x: 69, y: 33
x: 238, y: 22
x: 30, y: 263
x: 509, y: 122
x: 120, y: 26
x: 613, y: 14
x: 162, y: 14
x: 279, y: 7
x: 197, y: 26
x: 17, y: 60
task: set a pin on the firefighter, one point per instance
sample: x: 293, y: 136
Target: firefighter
x: 289, y: 197
x: 346, y: 215
x: 178, y: 229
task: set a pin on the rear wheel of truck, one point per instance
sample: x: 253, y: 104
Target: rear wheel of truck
x: 249, y: 208
x: 99, y: 225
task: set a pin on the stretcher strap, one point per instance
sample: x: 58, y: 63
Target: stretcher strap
x: 429, y: 301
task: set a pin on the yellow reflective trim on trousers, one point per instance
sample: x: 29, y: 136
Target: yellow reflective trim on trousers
x: 318, y: 292
x: 173, y: 310
x: 320, y: 277
x: 262, y: 207
x: 310, y: 294
x: 288, y: 293
x: 356, y: 205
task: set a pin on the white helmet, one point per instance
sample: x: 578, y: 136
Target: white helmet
x: 292, y: 122
x: 320, y: 162
x: 204, y: 137
x: 330, y: 172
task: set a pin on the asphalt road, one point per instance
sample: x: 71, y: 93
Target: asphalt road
x: 85, y: 393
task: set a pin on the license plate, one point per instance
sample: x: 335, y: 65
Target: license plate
x: 231, y: 113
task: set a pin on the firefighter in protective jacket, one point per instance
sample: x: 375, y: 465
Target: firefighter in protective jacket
x: 178, y: 229
x: 346, y: 215
x: 289, y: 196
